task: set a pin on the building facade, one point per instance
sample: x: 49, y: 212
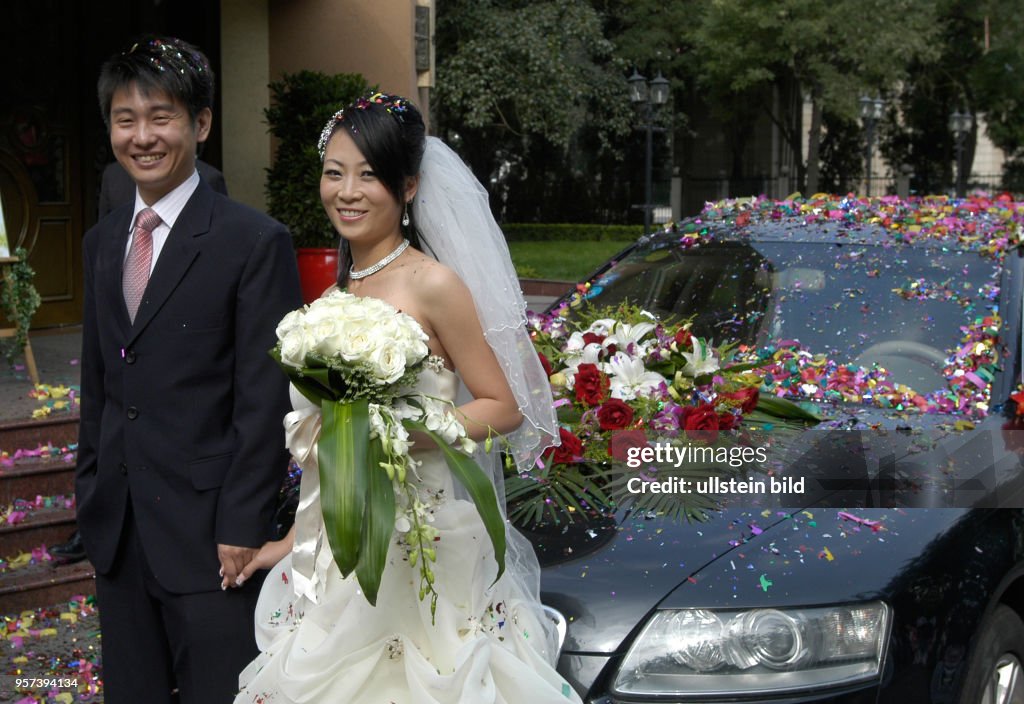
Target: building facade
x: 53, y: 145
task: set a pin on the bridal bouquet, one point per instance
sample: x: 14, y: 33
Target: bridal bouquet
x: 358, y: 359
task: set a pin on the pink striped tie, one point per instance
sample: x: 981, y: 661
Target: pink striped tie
x: 140, y: 259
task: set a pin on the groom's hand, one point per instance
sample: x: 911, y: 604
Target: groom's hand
x: 232, y: 560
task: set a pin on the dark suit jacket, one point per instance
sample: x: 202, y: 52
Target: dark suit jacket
x: 183, y: 409
x: 118, y: 188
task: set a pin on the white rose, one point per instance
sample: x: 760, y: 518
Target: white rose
x: 387, y: 362
x: 328, y: 334
x: 357, y: 340
x: 295, y: 345
x: 289, y: 322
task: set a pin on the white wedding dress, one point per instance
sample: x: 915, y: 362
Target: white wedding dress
x: 484, y: 645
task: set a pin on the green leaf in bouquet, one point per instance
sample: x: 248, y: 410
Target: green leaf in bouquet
x: 569, y: 414
x: 737, y: 368
x: 786, y: 409
x: 321, y: 376
x: 344, y: 477
x: 308, y: 386
x: 378, y: 524
x: 478, y: 486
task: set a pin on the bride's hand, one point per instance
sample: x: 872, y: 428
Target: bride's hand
x: 272, y: 552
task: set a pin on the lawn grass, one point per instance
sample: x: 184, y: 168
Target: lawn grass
x: 561, y: 261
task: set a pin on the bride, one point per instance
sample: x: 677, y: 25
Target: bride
x: 417, y: 233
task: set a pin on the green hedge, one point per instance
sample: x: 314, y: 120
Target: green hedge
x: 569, y: 232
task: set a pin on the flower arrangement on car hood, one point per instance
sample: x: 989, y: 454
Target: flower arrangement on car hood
x: 623, y: 379
x: 358, y: 359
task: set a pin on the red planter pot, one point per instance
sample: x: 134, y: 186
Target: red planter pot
x: 318, y: 269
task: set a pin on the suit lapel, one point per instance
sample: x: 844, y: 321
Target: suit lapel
x: 179, y: 251
x: 110, y: 292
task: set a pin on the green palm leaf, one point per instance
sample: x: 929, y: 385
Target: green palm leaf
x: 344, y: 477
x: 378, y: 524
x: 479, y: 488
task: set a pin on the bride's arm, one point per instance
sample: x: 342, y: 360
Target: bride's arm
x: 448, y: 305
x: 272, y: 552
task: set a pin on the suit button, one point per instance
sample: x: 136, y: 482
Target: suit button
x: 123, y: 467
x: 129, y: 357
x: 133, y: 413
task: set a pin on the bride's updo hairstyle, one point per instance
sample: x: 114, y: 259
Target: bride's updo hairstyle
x: 389, y: 131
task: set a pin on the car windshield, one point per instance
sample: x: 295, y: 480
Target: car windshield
x: 870, y: 305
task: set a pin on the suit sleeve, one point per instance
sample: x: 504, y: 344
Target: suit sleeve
x: 91, y: 368
x: 268, y: 289
x: 105, y: 206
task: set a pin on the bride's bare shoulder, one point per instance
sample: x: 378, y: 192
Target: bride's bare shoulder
x: 433, y: 280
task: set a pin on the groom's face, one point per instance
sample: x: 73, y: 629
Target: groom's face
x: 155, y: 139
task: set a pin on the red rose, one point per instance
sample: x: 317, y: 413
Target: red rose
x: 568, y: 451
x: 620, y: 443
x: 727, y: 421
x: 615, y: 414
x: 700, y: 422
x: 545, y: 363
x: 684, y: 339
x: 591, y: 385
x: 745, y: 397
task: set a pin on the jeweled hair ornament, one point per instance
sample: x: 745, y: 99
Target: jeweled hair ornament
x: 395, y: 105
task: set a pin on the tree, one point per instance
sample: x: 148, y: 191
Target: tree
x: 999, y: 80
x: 536, y: 69
x: 833, y: 51
x: 531, y: 95
x: 302, y: 104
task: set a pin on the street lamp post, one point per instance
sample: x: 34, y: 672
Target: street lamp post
x: 960, y: 124
x: 648, y: 95
x: 870, y: 114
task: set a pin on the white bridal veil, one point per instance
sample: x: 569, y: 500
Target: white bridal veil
x: 452, y: 214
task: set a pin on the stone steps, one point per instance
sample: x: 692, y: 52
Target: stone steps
x: 46, y: 473
x: 28, y: 588
x: 46, y: 526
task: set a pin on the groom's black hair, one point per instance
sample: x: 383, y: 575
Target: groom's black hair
x: 158, y: 64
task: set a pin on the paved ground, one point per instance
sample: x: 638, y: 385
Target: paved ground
x: 57, y: 644
x: 56, y: 352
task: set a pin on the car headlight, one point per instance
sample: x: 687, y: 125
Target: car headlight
x: 702, y: 652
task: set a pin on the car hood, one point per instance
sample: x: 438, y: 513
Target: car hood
x: 767, y: 549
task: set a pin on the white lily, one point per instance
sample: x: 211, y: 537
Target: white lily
x: 630, y: 378
x: 588, y: 355
x: 602, y: 327
x: 624, y: 335
x: 701, y: 361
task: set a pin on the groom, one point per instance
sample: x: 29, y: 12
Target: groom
x: 181, y: 450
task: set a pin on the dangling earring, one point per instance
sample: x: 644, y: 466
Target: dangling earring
x: 405, y: 215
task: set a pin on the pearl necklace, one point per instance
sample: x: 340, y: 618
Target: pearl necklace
x: 374, y: 268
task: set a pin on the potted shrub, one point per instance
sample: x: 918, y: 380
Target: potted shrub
x: 301, y: 105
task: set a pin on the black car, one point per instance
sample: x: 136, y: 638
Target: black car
x: 898, y: 575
